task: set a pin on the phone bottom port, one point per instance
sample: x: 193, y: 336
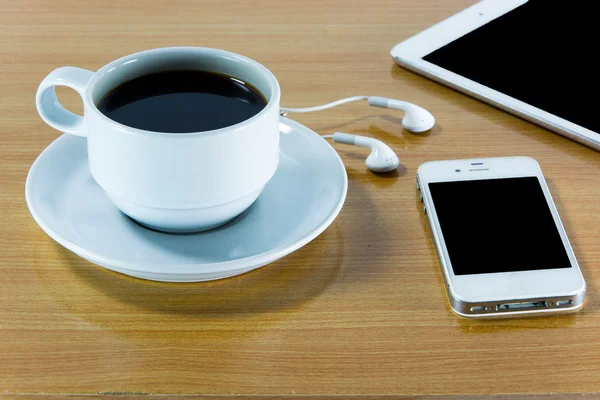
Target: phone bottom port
x: 561, y: 303
x: 521, y: 306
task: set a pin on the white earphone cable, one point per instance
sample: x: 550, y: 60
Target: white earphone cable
x: 324, y: 106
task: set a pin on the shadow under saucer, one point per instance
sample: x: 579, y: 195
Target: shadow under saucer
x: 91, y: 292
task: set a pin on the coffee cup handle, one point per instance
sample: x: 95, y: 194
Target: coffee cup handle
x: 50, y: 109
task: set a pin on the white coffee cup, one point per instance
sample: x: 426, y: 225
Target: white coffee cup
x: 171, y: 182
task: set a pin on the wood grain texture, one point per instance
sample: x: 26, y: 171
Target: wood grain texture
x: 131, y: 396
x: 361, y: 310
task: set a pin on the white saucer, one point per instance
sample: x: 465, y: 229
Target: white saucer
x: 301, y: 201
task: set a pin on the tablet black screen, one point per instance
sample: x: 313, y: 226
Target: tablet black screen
x: 543, y: 53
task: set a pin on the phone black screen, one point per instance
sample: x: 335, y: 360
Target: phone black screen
x: 498, y: 225
x: 543, y: 53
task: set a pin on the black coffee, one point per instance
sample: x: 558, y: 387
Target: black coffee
x: 182, y: 102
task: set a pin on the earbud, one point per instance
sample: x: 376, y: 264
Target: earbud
x: 381, y: 159
x: 416, y: 119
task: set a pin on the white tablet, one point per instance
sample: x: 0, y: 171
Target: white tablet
x: 537, y: 59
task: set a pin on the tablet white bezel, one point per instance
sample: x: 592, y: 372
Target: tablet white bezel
x: 410, y: 53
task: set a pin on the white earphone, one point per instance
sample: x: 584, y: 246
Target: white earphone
x: 416, y: 119
x: 382, y: 158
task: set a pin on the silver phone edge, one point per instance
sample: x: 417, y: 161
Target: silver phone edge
x: 464, y: 309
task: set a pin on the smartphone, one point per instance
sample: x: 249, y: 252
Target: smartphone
x: 501, y: 245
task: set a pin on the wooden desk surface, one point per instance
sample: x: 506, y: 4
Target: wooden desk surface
x: 361, y: 310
